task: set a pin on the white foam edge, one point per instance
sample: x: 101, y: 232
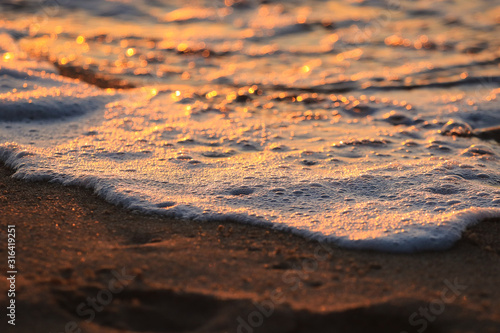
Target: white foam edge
x: 429, y: 238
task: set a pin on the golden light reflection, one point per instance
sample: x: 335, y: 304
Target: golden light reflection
x: 301, y: 19
x: 211, y: 94
x: 8, y: 56
x: 231, y: 96
x: 182, y: 47
x: 80, y: 40
x: 130, y: 52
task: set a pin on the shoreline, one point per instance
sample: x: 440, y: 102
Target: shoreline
x: 229, y: 277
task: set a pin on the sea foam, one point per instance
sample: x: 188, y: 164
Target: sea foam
x: 148, y: 154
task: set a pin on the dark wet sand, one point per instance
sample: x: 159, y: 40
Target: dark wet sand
x: 201, y: 277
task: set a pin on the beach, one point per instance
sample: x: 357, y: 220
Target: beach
x: 202, y: 277
x: 250, y: 166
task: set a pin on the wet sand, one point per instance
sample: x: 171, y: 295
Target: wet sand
x: 184, y: 276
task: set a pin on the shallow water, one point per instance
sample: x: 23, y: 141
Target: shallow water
x: 352, y: 121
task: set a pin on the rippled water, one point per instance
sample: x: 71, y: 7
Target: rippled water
x: 368, y: 123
